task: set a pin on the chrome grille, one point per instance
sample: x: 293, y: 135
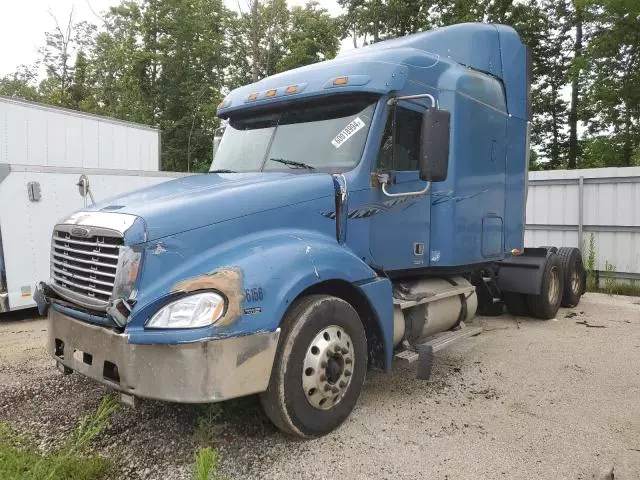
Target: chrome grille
x: 85, y: 265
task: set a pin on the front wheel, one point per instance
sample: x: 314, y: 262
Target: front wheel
x: 319, y: 369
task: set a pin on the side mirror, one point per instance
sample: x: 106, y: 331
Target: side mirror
x: 434, y: 145
x: 216, y: 144
x: 217, y: 137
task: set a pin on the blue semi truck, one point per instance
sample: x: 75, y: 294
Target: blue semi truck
x: 357, y: 210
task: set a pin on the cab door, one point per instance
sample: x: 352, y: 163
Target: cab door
x: 399, y: 235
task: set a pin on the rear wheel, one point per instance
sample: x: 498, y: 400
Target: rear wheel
x: 546, y: 304
x: 575, y: 277
x: 320, y: 367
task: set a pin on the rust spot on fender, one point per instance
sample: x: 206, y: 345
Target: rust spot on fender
x: 227, y: 280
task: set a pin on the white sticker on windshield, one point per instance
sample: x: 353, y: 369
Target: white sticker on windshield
x: 347, y: 132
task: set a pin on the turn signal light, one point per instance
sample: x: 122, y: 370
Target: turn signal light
x: 515, y: 252
x: 340, y: 81
x: 291, y: 89
x: 253, y: 96
x: 271, y: 93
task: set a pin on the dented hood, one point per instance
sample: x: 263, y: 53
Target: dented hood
x: 200, y: 200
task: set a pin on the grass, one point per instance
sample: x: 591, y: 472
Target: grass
x: 213, y: 420
x: 19, y: 460
x: 611, y: 285
x: 206, y: 465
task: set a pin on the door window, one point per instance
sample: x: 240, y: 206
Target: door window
x: 406, y: 148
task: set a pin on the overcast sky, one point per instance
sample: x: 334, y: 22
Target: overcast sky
x: 23, y: 23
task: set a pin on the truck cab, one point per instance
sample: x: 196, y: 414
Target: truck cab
x: 356, y: 209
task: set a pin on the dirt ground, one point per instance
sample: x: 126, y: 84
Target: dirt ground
x: 526, y: 399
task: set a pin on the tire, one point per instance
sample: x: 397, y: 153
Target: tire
x: 546, y: 304
x: 516, y: 304
x: 575, y: 276
x: 307, y: 362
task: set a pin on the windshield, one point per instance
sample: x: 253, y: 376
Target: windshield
x: 313, y: 136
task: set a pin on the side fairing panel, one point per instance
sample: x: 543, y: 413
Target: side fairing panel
x: 467, y: 210
x: 515, y: 196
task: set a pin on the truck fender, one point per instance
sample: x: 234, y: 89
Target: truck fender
x: 273, y: 268
x: 523, y: 273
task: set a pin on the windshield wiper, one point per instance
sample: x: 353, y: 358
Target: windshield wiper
x: 293, y: 163
x: 222, y: 170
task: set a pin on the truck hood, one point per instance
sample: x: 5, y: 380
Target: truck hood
x: 200, y: 200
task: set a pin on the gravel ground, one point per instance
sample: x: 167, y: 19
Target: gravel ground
x: 525, y: 399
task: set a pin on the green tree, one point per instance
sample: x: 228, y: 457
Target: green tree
x: 613, y: 75
x: 311, y: 37
x: 20, y: 84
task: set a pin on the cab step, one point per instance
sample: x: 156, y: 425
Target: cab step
x: 424, y: 352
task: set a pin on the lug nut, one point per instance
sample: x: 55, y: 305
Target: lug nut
x: 337, y: 349
x: 323, y: 378
x: 323, y: 364
x: 345, y: 351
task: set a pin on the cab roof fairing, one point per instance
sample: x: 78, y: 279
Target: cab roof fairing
x: 365, y: 76
x: 384, y: 67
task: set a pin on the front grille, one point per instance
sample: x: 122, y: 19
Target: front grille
x: 85, y: 265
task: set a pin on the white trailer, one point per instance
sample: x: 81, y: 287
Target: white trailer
x: 45, y: 153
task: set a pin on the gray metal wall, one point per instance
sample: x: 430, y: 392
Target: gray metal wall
x: 564, y: 207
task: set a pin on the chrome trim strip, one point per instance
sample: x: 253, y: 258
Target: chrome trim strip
x: 79, y: 299
x: 83, y: 287
x: 88, y: 262
x: 88, y: 244
x: 85, y: 252
x: 119, y: 222
x: 82, y: 269
x: 75, y: 276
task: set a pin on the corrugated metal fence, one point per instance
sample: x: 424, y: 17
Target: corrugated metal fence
x: 564, y: 207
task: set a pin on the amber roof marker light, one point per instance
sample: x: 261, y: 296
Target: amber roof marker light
x: 340, y: 81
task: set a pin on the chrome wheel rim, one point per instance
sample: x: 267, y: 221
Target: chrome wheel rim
x: 554, y: 285
x: 575, y: 281
x: 328, y: 367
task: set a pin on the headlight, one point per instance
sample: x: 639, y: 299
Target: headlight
x: 199, y: 310
x: 127, y: 272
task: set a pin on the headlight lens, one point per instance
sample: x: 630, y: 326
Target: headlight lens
x: 127, y: 272
x: 199, y: 310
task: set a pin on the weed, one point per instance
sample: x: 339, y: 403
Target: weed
x: 19, y: 460
x: 612, y: 285
x: 215, y: 418
x: 206, y: 465
x: 590, y: 263
x: 210, y: 422
x: 609, y: 281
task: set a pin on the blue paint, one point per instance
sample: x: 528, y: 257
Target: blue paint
x: 283, y: 229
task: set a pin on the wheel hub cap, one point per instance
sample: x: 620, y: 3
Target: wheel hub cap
x: 328, y: 367
x: 554, y: 285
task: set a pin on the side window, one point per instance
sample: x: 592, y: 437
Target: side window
x: 407, y: 145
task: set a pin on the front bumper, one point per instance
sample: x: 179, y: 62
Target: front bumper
x: 198, y: 372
